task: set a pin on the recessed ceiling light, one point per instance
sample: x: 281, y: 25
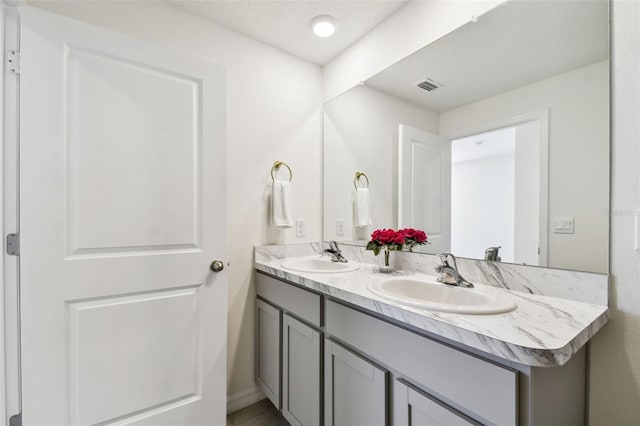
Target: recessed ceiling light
x: 323, y: 25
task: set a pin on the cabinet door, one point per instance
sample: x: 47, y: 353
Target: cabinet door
x: 486, y: 389
x: 301, y: 348
x: 413, y: 407
x: 355, y: 389
x: 268, y: 320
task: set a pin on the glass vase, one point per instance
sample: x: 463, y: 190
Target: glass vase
x: 387, y: 260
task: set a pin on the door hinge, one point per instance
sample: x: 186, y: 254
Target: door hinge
x: 13, y: 244
x: 13, y: 61
x: 15, y: 420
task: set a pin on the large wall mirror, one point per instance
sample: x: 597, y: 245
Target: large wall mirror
x: 496, y: 135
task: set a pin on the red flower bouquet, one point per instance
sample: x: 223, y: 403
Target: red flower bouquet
x: 414, y: 237
x: 387, y: 239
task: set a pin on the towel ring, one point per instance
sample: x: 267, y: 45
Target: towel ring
x: 357, y: 179
x: 276, y: 166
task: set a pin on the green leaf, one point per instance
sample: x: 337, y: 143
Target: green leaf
x: 372, y: 245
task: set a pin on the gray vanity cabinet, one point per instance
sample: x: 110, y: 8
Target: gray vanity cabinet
x: 289, y: 349
x: 355, y: 392
x: 481, y: 389
x: 268, y: 326
x: 414, y: 407
x: 301, y: 349
x: 305, y: 341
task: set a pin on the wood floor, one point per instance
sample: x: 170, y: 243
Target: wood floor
x: 262, y: 413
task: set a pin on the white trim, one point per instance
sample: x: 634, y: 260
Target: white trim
x: 3, y: 366
x: 9, y: 216
x: 401, y: 130
x: 543, y: 116
x: 244, y: 399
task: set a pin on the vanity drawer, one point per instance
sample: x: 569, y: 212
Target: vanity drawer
x: 301, y: 303
x: 480, y: 389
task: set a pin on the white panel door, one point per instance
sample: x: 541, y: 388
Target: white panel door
x: 122, y: 210
x: 424, y: 185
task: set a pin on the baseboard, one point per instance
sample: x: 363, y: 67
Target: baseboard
x: 244, y: 399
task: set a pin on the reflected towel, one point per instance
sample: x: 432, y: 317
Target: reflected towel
x: 281, y: 204
x: 363, y: 213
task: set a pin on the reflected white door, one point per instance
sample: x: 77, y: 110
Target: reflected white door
x: 122, y: 209
x: 424, y: 185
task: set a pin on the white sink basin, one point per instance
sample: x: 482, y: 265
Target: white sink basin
x: 442, y: 297
x: 318, y: 264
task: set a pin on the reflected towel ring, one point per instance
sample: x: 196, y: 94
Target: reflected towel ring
x: 357, y: 179
x: 276, y: 166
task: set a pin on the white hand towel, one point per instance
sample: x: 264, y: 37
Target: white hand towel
x: 363, y: 213
x: 281, y: 204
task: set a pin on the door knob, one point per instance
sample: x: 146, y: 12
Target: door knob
x: 217, y: 266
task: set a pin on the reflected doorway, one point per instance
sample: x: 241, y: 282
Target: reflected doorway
x: 495, y: 193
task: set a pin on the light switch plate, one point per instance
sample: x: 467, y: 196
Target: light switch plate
x: 300, y: 231
x: 340, y: 227
x: 563, y: 225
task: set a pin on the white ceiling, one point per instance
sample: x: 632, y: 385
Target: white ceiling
x: 517, y: 43
x: 284, y: 24
x: 484, y: 145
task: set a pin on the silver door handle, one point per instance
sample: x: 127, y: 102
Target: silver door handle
x: 217, y: 266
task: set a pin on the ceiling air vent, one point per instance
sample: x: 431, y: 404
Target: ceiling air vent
x: 429, y: 85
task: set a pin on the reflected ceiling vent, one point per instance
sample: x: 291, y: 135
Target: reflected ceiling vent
x: 429, y: 85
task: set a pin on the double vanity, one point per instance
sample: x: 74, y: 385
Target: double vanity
x: 343, y: 344
x: 493, y: 155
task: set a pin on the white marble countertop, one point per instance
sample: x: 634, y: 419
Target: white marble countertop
x: 542, y: 332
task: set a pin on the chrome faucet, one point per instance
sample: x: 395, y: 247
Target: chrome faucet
x: 492, y: 254
x: 449, y: 274
x: 335, y: 253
